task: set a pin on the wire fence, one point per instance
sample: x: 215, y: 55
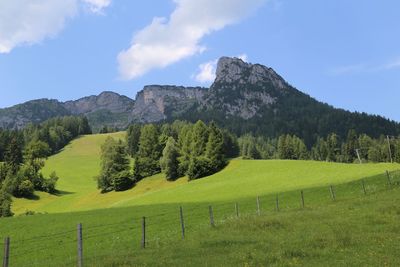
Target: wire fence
x: 133, y: 233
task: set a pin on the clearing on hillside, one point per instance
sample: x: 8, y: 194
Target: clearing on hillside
x: 79, y: 162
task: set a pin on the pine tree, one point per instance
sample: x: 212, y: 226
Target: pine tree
x: 169, y: 161
x: 215, y: 148
x: 115, y: 167
x: 132, y: 139
x: 185, y: 146
x: 13, y: 156
x: 199, y: 139
x: 332, y: 143
x: 282, y: 147
x: 149, y: 153
x: 349, y: 148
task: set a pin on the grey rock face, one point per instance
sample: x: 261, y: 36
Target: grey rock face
x: 154, y: 102
x: 242, y: 89
x: 110, y: 101
x: 235, y: 70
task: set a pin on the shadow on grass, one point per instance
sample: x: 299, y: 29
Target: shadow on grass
x: 60, y: 193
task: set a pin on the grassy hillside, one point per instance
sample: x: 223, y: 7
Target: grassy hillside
x: 357, y: 232
x: 79, y: 163
x: 356, y: 229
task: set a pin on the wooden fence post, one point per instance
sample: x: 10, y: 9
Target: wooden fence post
x: 237, y: 209
x: 363, y: 186
x: 388, y: 178
x: 258, y: 206
x: 333, y: 195
x: 211, y: 216
x: 182, y: 222
x: 143, y: 232
x: 6, y: 255
x: 302, y: 198
x: 80, y: 245
x: 277, y: 203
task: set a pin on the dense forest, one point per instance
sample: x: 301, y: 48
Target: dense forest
x: 354, y: 148
x: 177, y: 149
x: 23, y: 154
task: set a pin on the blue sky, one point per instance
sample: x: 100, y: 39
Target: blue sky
x: 343, y: 52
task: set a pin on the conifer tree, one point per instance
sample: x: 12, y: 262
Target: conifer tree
x: 215, y: 148
x: 147, y: 162
x: 132, y: 139
x: 169, y: 161
x: 199, y: 139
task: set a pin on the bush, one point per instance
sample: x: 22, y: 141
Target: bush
x: 5, y: 204
x: 199, y: 167
x: 49, y: 185
x: 122, y: 181
x: 25, y: 189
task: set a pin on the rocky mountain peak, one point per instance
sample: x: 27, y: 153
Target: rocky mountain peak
x: 106, y: 100
x: 235, y: 70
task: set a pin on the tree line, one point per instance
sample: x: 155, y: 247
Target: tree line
x: 355, y: 147
x: 23, y: 153
x: 177, y: 149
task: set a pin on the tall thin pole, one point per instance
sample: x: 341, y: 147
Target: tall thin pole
x: 211, y: 216
x: 143, y: 243
x: 358, y: 155
x: 182, y: 222
x: 80, y: 245
x: 6, y: 255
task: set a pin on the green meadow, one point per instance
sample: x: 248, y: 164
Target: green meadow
x: 356, y: 228
x: 79, y: 162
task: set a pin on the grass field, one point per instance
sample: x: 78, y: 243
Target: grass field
x: 356, y: 229
x: 79, y: 163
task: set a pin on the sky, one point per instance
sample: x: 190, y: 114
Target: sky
x: 342, y: 52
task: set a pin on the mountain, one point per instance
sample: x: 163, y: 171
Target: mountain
x: 108, y: 108
x: 243, y: 98
x: 253, y: 98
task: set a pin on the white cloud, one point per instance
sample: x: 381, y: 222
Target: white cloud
x: 206, y: 72
x: 166, y: 41
x: 31, y: 21
x: 27, y: 22
x: 97, y: 6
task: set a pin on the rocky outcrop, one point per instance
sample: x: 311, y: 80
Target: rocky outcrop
x: 241, y: 89
x: 157, y: 102
x: 236, y: 71
x: 110, y: 101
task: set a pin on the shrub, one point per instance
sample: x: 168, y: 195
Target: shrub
x: 199, y: 167
x: 25, y: 189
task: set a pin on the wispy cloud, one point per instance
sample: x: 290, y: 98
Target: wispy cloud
x: 167, y: 41
x: 392, y: 65
x: 365, y: 68
x: 97, y: 6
